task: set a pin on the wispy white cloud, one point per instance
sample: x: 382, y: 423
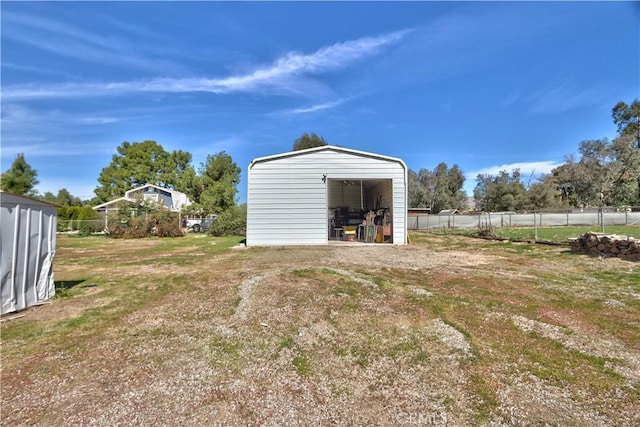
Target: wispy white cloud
x: 529, y: 172
x: 564, y: 97
x: 526, y: 168
x: 312, y: 108
x: 223, y: 142
x: 510, y: 99
x: 73, y: 42
x: 288, y: 74
x: 42, y: 133
x: 16, y: 116
x: 13, y: 22
x: 48, y: 148
x: 37, y: 70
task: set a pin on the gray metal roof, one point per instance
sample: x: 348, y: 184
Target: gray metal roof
x: 327, y: 148
x: 23, y: 200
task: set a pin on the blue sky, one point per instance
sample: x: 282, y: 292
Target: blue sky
x: 486, y: 86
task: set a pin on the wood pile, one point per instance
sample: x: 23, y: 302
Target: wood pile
x: 607, y: 245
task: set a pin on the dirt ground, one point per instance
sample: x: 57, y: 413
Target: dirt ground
x: 447, y: 331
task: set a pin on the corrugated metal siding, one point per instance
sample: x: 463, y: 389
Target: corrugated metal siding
x: 27, y: 248
x: 400, y: 210
x: 287, y: 198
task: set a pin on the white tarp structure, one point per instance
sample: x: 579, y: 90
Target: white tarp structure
x: 27, y: 247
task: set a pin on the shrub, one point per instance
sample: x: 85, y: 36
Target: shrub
x: 136, y: 220
x: 166, y: 224
x: 232, y: 222
x: 64, y: 219
x: 85, y: 213
x: 86, y: 220
x: 486, y: 230
x: 63, y: 224
x: 89, y: 226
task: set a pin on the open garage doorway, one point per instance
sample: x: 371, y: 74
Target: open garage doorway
x: 360, y: 210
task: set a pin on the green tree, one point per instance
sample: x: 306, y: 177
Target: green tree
x: 87, y: 213
x: 438, y: 189
x: 308, y: 141
x: 625, y: 172
x: 231, y: 222
x: 455, y: 196
x: 416, y: 193
x: 190, y: 183
x: 214, y: 189
x: 140, y: 163
x: 64, y: 198
x: 49, y: 197
x: 504, y: 192
x: 20, y: 178
x: 572, y: 181
x: 627, y: 118
x: 544, y: 194
x: 607, y: 173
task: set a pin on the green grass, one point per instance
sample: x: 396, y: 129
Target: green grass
x: 561, y: 234
x: 285, y: 342
x: 301, y: 364
x: 487, y: 400
x: 413, y: 346
x: 347, y: 287
x: 124, y: 295
x: 349, y: 327
x: 628, y: 278
x: 552, y: 234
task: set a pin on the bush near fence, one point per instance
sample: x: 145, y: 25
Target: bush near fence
x: 159, y: 223
x: 79, y: 218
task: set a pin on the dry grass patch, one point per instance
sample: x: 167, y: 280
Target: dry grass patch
x: 449, y: 331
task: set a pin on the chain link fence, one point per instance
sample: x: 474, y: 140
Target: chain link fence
x: 601, y: 217
x: 86, y: 225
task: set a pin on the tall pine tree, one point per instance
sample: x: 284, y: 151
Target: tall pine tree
x: 20, y: 178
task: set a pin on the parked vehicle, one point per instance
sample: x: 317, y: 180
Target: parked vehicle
x: 198, y: 224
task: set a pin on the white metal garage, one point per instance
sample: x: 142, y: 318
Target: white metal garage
x: 323, y: 194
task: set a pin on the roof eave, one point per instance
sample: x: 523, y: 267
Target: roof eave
x: 329, y: 148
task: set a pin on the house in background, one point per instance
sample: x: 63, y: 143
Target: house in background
x: 318, y: 195
x: 172, y: 199
x: 449, y: 212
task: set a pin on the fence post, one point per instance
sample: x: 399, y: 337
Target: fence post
x: 535, y: 226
